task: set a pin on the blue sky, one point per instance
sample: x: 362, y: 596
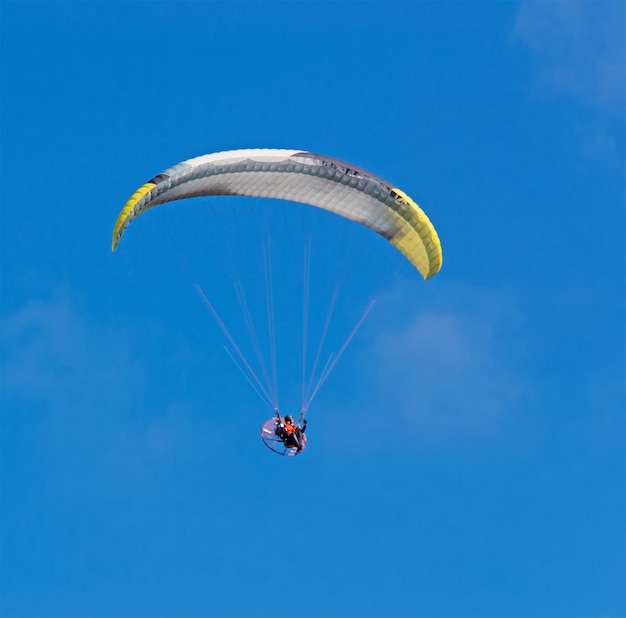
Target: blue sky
x: 466, y: 456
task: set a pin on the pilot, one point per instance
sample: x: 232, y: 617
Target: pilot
x: 291, y: 433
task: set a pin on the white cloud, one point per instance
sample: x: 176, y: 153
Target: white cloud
x: 579, y: 48
x: 448, y: 370
x: 80, y: 392
x: 51, y: 354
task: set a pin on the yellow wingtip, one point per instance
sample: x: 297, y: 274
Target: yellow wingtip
x: 433, y: 261
x: 129, y: 211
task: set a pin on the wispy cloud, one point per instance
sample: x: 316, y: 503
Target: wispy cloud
x: 51, y: 354
x: 578, y: 48
x: 447, y: 370
x: 82, y: 389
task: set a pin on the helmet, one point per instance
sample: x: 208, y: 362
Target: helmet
x: 289, y: 418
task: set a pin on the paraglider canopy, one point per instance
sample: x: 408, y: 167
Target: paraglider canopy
x: 324, y: 182
x: 274, y: 442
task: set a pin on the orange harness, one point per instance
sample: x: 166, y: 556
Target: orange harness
x: 290, y: 428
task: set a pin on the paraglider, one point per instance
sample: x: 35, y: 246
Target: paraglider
x: 297, y: 176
